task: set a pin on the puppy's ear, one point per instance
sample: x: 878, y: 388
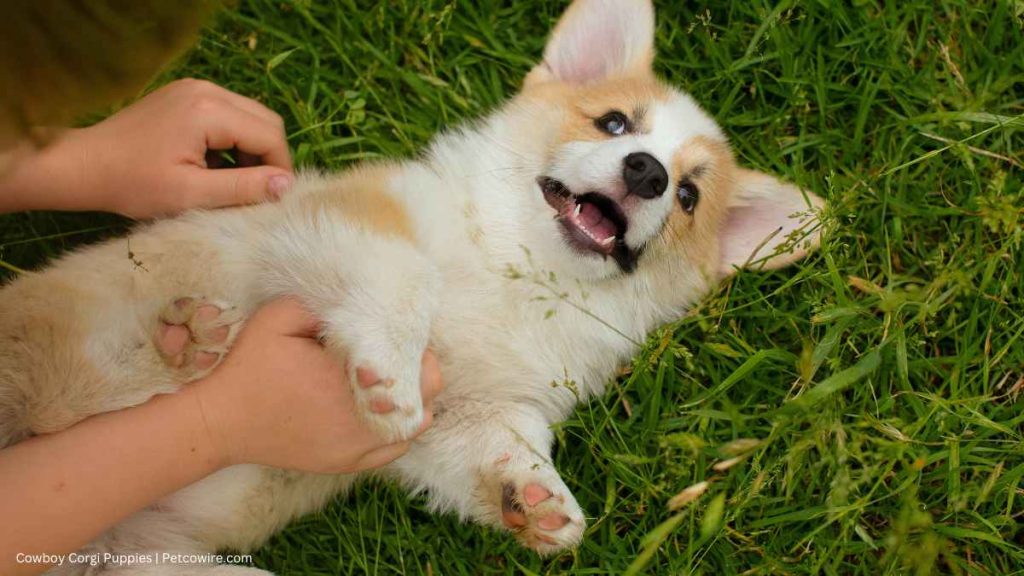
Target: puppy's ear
x: 598, y: 39
x: 770, y: 224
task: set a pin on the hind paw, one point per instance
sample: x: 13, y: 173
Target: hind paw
x: 194, y: 334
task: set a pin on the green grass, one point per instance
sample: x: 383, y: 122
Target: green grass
x: 880, y: 376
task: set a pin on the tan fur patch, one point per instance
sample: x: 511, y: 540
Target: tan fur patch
x: 710, y: 165
x: 46, y: 382
x: 634, y: 96
x: 362, y: 197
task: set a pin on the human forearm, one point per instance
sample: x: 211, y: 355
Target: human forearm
x: 63, y: 490
x: 51, y: 178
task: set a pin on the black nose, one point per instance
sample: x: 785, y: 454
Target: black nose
x: 644, y: 175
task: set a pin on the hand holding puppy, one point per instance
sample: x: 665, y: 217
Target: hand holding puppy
x: 280, y: 399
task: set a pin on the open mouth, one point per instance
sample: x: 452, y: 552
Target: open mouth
x: 591, y: 222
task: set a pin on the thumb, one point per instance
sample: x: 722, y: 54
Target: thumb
x: 383, y: 455
x: 236, y: 186
x: 287, y: 316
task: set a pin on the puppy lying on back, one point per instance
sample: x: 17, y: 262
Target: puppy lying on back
x: 597, y: 182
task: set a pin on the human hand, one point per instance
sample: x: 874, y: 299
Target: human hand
x: 281, y: 400
x: 150, y: 159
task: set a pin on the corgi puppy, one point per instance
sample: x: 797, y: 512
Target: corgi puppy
x: 538, y: 245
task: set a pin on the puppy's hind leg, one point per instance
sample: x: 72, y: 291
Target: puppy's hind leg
x: 491, y: 462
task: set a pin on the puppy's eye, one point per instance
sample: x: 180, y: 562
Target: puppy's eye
x: 688, y: 195
x: 615, y: 123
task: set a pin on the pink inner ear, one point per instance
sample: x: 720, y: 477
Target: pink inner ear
x: 581, y: 59
x: 769, y: 214
x: 597, y: 39
x: 747, y: 227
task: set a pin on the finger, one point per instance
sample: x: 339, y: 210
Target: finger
x: 253, y: 107
x: 235, y: 186
x: 430, y: 376
x: 383, y: 455
x: 229, y: 127
x: 208, y: 89
x: 287, y: 316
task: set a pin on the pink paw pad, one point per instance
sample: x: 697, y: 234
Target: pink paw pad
x: 367, y: 377
x: 381, y: 405
x: 171, y: 340
x: 535, y: 494
x: 385, y: 402
x: 194, y: 335
x: 538, y: 508
x: 519, y: 512
x: 552, y: 521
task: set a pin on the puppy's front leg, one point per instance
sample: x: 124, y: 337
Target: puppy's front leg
x: 491, y: 462
x: 376, y: 295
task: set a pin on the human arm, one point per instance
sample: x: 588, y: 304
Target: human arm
x: 278, y: 399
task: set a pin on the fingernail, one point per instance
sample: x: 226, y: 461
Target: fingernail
x: 278, y: 185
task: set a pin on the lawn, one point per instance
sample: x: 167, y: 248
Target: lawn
x: 871, y: 394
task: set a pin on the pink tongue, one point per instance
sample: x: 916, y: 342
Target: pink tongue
x: 603, y: 230
x: 591, y: 218
x: 589, y: 215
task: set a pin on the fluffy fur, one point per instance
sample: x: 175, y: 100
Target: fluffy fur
x: 466, y: 250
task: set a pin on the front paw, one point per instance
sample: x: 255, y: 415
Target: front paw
x: 389, y: 399
x: 537, y: 506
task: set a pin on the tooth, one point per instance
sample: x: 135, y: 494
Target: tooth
x: 608, y: 241
x: 577, y: 209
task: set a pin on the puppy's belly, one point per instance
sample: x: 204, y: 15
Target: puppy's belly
x: 237, y: 508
